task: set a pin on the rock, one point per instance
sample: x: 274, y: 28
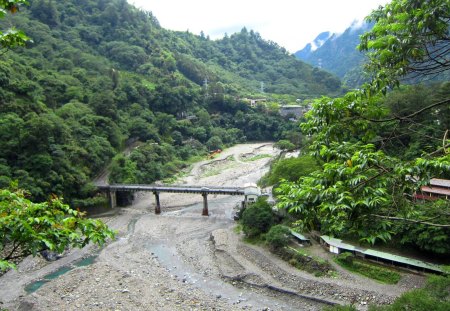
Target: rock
x: 49, y: 255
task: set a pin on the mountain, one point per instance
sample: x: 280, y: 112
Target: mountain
x: 306, y: 52
x: 339, y: 56
x: 100, y: 75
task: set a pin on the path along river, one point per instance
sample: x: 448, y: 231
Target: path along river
x: 180, y: 260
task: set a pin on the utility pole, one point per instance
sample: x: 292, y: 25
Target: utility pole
x: 262, y: 87
x: 205, y: 86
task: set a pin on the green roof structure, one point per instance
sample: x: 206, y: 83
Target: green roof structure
x: 370, y: 253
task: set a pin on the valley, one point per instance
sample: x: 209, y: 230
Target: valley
x: 180, y: 260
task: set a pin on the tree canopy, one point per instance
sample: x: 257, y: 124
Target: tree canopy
x: 364, y: 189
x: 409, y: 37
x: 27, y: 228
x: 99, y: 76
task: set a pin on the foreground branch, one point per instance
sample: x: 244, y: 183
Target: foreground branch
x: 412, y: 220
x: 445, y: 101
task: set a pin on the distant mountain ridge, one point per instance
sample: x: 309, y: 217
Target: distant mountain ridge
x: 338, y: 54
x: 313, y: 45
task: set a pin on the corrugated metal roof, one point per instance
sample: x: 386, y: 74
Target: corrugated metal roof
x: 436, y: 190
x: 299, y: 236
x: 383, y: 255
x: 440, y: 182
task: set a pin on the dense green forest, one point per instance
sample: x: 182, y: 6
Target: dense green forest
x: 96, y: 76
x: 378, y: 145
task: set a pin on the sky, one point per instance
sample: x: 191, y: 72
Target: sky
x: 290, y: 23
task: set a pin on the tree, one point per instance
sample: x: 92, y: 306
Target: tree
x: 409, y: 37
x: 278, y: 237
x: 12, y: 37
x: 257, y: 218
x: 284, y: 145
x: 27, y: 228
x: 361, y: 190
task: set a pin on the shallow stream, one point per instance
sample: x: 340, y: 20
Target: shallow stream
x: 34, y: 286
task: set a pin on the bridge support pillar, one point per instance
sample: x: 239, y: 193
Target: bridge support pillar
x: 205, y: 211
x: 112, y: 199
x: 158, y: 205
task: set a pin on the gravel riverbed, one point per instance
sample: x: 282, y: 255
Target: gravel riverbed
x: 180, y: 260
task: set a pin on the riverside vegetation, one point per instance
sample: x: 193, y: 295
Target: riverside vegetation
x: 99, y: 75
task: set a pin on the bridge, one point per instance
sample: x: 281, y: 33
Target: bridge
x: 249, y: 191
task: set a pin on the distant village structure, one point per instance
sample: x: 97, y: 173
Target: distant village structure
x: 293, y: 111
x: 437, y: 189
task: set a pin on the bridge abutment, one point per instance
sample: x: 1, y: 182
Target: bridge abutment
x: 112, y: 199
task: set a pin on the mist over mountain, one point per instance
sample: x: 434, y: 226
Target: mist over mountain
x: 313, y: 45
x: 338, y: 54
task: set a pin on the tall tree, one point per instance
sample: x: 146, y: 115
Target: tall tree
x: 409, y: 37
x: 26, y: 228
x: 361, y: 190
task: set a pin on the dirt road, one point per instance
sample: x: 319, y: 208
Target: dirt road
x: 180, y: 260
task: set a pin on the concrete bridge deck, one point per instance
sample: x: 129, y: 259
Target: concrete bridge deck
x: 156, y: 189
x: 175, y: 189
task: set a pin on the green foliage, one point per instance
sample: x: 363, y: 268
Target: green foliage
x: 284, y: 145
x: 434, y: 296
x: 340, y: 308
x: 290, y: 169
x: 366, y: 188
x: 12, y: 37
x: 257, y: 218
x: 300, y: 259
x: 98, y: 75
x: 408, y: 37
x: 379, y: 273
x: 428, y: 238
x: 26, y: 228
x: 278, y: 236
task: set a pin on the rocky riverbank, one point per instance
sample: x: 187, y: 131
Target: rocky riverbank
x: 180, y: 260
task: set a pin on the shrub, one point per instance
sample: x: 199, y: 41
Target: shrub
x: 435, y: 296
x: 257, y: 218
x: 278, y: 236
x: 346, y: 257
x: 284, y: 145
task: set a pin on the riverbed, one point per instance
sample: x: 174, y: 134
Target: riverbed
x: 181, y: 260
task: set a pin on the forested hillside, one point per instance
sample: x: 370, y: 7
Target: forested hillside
x: 98, y: 75
x: 379, y: 146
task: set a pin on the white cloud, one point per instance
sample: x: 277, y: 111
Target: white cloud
x: 290, y: 23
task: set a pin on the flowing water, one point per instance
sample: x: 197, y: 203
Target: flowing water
x: 34, y: 286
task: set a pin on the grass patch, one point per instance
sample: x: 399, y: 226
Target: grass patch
x: 364, y: 268
x: 257, y: 157
x: 238, y: 228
